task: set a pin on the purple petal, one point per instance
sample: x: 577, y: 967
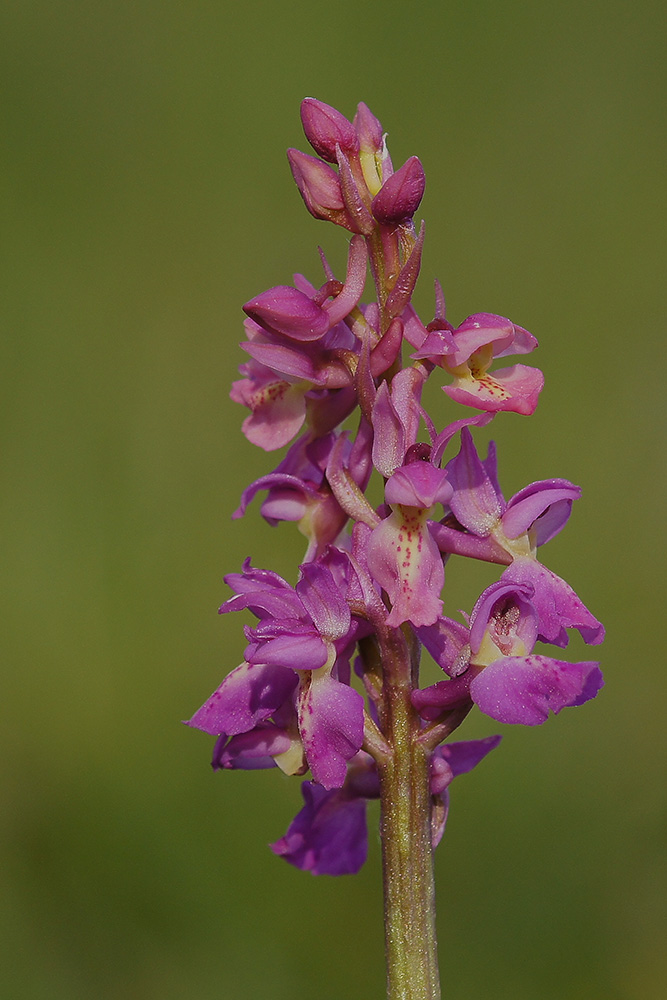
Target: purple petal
x: 479, y: 330
x: 523, y: 690
x: 286, y: 310
x: 248, y: 695
x: 254, y: 578
x: 557, y: 605
x: 475, y: 501
x: 418, y: 484
x: 400, y: 195
x: 323, y: 601
x: 300, y: 650
x: 389, y: 439
x: 326, y: 128
x: 445, y: 641
x: 328, y: 836
x: 464, y: 756
x: 504, y: 614
x: 445, y: 435
x: 368, y: 128
x: 438, y: 343
x: 265, y: 604
x: 318, y: 185
x: 547, y: 504
x: 251, y: 751
x: 331, y: 723
x: 285, y: 360
x: 270, y: 482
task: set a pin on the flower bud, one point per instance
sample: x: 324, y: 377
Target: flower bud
x: 399, y: 197
x: 373, y: 155
x: 288, y: 311
x: 368, y: 129
x: 319, y: 187
x: 327, y: 128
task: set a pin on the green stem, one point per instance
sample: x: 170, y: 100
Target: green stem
x: 407, y: 855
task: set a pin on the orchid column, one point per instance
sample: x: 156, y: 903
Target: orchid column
x: 329, y: 682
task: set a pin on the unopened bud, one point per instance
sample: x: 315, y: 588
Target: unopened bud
x: 368, y: 129
x: 319, y: 187
x: 327, y: 128
x: 399, y: 197
x: 286, y: 310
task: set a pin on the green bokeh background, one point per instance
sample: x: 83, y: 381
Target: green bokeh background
x: 146, y: 197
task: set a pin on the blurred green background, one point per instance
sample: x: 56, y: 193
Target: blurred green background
x: 146, y: 196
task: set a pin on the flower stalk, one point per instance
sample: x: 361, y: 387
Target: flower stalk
x: 407, y: 853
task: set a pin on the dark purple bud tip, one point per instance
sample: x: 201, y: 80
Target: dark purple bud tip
x: 327, y: 128
x: 399, y: 197
x: 288, y: 311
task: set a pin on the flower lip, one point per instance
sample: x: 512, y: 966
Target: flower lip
x: 520, y: 690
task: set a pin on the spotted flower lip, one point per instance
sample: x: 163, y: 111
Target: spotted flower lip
x: 515, y: 389
x: 402, y: 555
x: 524, y: 690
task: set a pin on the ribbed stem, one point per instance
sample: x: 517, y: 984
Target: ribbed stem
x: 407, y: 855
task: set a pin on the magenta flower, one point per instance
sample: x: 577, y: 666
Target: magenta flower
x: 300, y: 647
x: 477, y: 341
x: 487, y: 527
x: 497, y: 669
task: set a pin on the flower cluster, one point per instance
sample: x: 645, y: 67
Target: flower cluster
x: 313, y: 690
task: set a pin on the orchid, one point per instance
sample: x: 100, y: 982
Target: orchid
x: 329, y: 685
x: 494, y: 665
